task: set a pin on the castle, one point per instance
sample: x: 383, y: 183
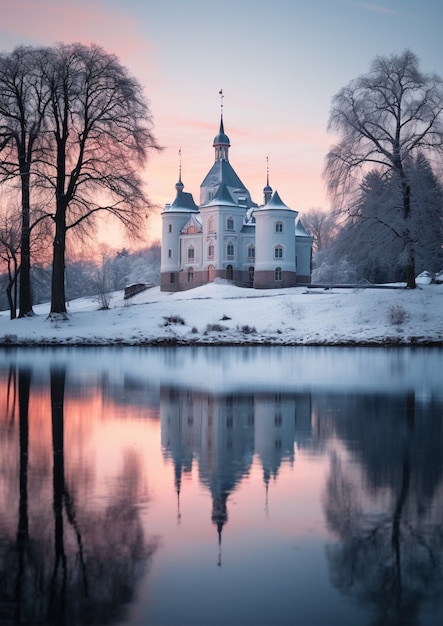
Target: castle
x: 229, y: 236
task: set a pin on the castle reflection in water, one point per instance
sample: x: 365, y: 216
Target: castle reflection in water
x: 223, y: 434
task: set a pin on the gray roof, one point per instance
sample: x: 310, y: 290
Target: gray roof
x: 300, y: 230
x: 222, y: 172
x: 183, y: 202
x: 221, y: 137
x: 222, y: 197
x: 275, y: 203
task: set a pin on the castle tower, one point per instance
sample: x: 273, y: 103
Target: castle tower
x: 174, y: 218
x: 275, y: 259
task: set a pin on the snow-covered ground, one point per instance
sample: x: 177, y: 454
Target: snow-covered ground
x: 220, y: 313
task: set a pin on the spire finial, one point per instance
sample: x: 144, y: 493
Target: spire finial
x: 267, y: 191
x: 179, y: 185
x: 221, y: 102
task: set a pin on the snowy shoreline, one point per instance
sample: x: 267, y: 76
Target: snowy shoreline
x: 221, y: 314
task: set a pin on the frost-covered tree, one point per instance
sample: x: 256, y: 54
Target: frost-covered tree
x: 383, y: 120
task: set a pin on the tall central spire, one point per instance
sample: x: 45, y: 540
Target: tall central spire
x: 221, y: 141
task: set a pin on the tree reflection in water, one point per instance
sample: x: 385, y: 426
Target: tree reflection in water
x: 86, y: 571
x: 382, y: 501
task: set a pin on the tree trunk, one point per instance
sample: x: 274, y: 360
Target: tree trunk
x: 410, y: 262
x: 58, y: 300
x: 25, y: 248
x: 12, y: 310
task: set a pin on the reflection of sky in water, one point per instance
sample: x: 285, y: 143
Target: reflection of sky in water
x: 241, y: 501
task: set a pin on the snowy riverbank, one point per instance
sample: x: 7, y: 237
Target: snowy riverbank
x: 223, y: 314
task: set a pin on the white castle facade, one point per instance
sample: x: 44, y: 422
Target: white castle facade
x: 231, y: 237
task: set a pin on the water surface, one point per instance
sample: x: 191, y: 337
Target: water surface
x: 214, y: 486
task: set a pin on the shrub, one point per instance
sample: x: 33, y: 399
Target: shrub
x: 397, y: 314
x: 173, y: 319
x: 248, y: 330
x: 217, y: 328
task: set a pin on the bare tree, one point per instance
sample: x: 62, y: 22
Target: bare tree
x: 321, y: 226
x: 100, y: 135
x: 9, y: 254
x: 24, y: 99
x: 383, y: 119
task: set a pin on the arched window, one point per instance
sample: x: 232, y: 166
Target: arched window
x: 170, y: 228
x: 278, y: 252
x: 169, y: 253
x: 230, y: 223
x: 277, y: 274
x: 211, y: 251
x: 230, y: 250
x: 211, y: 224
x: 278, y: 227
x: 229, y: 272
x: 191, y: 253
x: 251, y: 252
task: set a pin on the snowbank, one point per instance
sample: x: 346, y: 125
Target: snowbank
x: 222, y: 314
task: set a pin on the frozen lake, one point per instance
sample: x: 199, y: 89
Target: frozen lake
x: 214, y: 486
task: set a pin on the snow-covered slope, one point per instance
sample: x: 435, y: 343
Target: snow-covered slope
x: 224, y: 314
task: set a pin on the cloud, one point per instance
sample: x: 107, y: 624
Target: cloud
x: 378, y: 8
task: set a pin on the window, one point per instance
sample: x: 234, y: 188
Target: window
x: 230, y: 223
x: 278, y: 252
x: 211, y: 251
x: 169, y: 253
x: 230, y: 272
x: 190, y: 275
x: 230, y: 250
x: 251, y: 274
x: 191, y: 253
x: 170, y: 228
x: 211, y: 227
x: 277, y: 273
x: 251, y: 252
x: 278, y: 227
x: 172, y: 278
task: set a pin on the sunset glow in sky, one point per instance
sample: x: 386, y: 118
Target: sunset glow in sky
x: 279, y: 64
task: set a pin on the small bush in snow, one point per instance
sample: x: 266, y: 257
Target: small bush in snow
x: 217, y: 328
x: 397, y: 314
x: 194, y: 330
x: 248, y: 330
x: 173, y: 319
x: 225, y: 317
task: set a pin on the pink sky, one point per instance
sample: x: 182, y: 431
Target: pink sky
x: 279, y: 67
